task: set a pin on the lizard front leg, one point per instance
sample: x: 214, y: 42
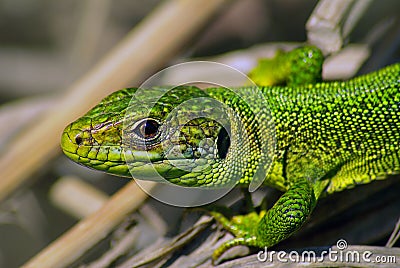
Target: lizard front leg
x: 270, y: 227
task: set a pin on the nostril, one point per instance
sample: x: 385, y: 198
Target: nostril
x: 78, y: 140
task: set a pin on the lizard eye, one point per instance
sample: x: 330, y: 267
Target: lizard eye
x: 147, y: 128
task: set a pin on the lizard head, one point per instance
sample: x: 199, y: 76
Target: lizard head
x: 183, y: 135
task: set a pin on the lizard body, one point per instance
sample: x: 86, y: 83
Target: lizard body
x: 326, y: 137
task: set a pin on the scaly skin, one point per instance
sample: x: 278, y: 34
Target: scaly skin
x: 329, y: 136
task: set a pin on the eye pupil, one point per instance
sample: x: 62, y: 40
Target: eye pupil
x: 148, y: 129
x: 78, y: 140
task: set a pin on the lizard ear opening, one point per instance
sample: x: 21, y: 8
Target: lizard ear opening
x: 223, y: 143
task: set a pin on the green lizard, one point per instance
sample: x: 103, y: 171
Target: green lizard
x: 329, y: 136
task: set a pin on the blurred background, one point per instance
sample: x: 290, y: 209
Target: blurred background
x: 47, y: 45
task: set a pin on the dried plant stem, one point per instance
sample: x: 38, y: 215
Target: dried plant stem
x: 394, y: 236
x: 89, y: 33
x: 332, y: 21
x: 77, y: 197
x: 88, y: 232
x: 145, y: 48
